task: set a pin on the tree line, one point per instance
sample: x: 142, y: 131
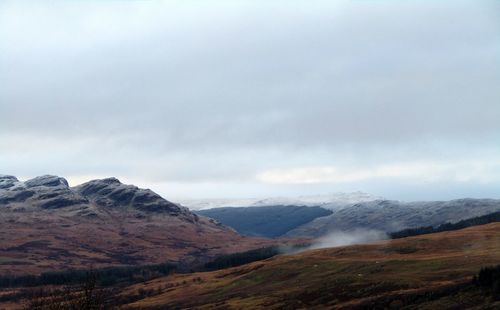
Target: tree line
x: 238, y: 259
x: 242, y: 258
x: 489, y: 279
x: 107, y: 276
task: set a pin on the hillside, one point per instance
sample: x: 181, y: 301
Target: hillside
x: 478, y: 220
x: 271, y: 221
x: 47, y: 225
x: 391, y: 215
x: 425, y: 272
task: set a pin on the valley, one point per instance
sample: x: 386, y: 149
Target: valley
x: 249, y: 155
x: 265, y: 221
x: 149, y: 253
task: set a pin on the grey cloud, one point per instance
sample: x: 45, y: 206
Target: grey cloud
x: 187, y: 91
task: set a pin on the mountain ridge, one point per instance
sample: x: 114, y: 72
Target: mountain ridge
x: 393, y: 215
x: 54, y: 192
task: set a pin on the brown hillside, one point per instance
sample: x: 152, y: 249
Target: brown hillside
x: 432, y: 271
x: 46, y: 225
x: 42, y: 243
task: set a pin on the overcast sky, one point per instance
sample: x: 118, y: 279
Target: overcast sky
x: 205, y: 99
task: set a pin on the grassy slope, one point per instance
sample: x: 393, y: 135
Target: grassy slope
x: 394, y: 272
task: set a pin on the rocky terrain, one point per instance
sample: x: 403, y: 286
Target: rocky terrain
x: 52, y: 192
x: 47, y: 225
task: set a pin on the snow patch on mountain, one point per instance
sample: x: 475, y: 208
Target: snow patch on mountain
x: 333, y: 201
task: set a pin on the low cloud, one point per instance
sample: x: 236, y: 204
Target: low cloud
x: 343, y: 238
x: 339, y: 238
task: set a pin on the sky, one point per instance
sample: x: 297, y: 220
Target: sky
x: 233, y: 99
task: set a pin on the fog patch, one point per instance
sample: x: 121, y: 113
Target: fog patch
x: 343, y: 238
x: 336, y: 239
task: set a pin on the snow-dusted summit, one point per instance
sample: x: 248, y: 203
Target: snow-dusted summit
x: 50, y: 192
x: 332, y: 201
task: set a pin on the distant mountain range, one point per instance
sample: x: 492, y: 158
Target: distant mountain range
x: 391, y: 215
x: 349, y: 211
x: 332, y: 201
x: 47, y: 225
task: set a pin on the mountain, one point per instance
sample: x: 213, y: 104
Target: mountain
x: 333, y: 201
x: 390, y: 215
x: 304, y: 219
x: 47, y: 225
x: 266, y: 221
x: 274, y: 217
x: 426, y: 272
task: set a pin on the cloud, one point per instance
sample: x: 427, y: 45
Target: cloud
x: 465, y: 171
x: 202, y: 94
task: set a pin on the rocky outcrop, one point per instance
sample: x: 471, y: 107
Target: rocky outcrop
x: 60, y: 199
x: 8, y: 181
x: 112, y: 193
x: 44, y: 192
x: 47, y: 181
x: 15, y: 196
